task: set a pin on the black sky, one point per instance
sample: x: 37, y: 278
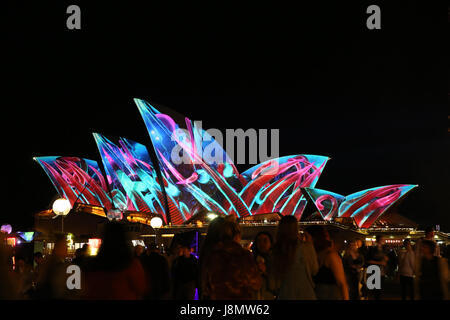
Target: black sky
x: 374, y: 101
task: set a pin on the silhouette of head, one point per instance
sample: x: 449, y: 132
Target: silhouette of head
x: 429, y: 232
x: 115, y: 252
x: 262, y: 243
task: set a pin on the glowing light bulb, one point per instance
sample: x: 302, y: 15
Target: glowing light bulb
x: 61, y: 207
x: 212, y: 216
x: 156, y: 222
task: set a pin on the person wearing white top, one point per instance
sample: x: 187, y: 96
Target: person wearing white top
x: 406, y: 270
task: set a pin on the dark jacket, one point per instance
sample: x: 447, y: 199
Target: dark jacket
x: 231, y: 273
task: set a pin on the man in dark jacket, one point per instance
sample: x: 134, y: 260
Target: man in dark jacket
x: 184, y: 273
x: 157, y: 270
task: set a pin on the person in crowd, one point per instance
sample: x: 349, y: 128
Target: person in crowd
x: 432, y: 278
x: 261, y: 249
x: 211, y: 240
x: 293, y: 263
x: 429, y: 236
x: 171, y: 255
x: 81, y: 257
x: 157, y: 270
x: 392, y: 262
x: 363, y: 251
x: 138, y: 251
x: 262, y: 245
x: 78, y: 256
x: 339, y: 244
x: 353, y: 262
x: 51, y: 282
x: 377, y: 256
x: 362, y: 247
x: 230, y: 270
x: 406, y: 270
x: 8, y: 287
x: 115, y: 274
x: 446, y: 252
x: 38, y: 259
x: 184, y: 273
x: 24, y: 278
x: 330, y: 280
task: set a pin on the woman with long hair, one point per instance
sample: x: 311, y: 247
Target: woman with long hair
x: 293, y: 263
x: 330, y: 280
x: 212, y: 238
x: 353, y: 263
x: 261, y: 249
x: 262, y: 244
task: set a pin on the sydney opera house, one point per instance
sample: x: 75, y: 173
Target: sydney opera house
x: 136, y: 183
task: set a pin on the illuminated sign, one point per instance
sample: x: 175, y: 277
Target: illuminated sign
x: 94, y: 245
x: 11, y: 241
x: 396, y: 241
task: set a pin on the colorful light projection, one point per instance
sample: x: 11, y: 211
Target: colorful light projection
x: 274, y: 185
x: 77, y: 178
x: 325, y: 201
x: 196, y: 184
x: 131, y: 175
x: 365, y: 207
x: 198, y: 176
x: 27, y: 236
x: 114, y: 214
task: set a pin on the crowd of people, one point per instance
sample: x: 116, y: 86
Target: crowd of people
x: 295, y: 265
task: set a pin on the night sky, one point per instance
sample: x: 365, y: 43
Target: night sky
x: 375, y: 101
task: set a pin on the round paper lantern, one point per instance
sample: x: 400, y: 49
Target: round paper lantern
x: 156, y: 222
x: 61, y: 207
